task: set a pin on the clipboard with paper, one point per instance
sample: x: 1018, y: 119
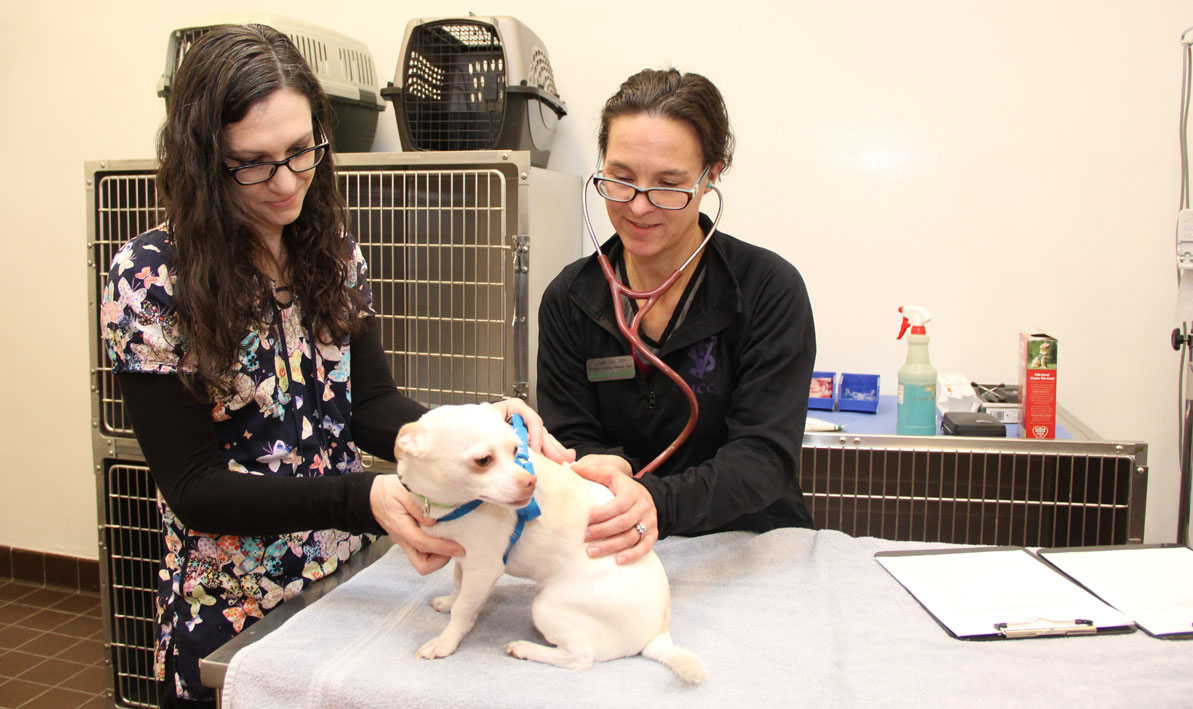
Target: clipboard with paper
x: 1151, y: 583
x: 1000, y: 592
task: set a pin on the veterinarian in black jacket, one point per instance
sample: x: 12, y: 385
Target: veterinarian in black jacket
x: 736, y: 325
x: 746, y: 346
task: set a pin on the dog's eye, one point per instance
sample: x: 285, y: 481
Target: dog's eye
x: 484, y: 461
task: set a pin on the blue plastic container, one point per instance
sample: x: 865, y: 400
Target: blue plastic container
x: 858, y: 392
x: 822, y: 393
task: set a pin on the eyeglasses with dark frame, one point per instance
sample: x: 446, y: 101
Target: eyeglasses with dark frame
x: 672, y: 198
x: 257, y: 172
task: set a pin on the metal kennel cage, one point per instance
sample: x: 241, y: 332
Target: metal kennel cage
x: 449, y: 239
x: 475, y: 83
x: 343, y: 65
x: 460, y: 247
x: 130, y: 553
x: 1010, y: 491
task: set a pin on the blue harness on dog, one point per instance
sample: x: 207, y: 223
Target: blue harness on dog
x: 530, y: 511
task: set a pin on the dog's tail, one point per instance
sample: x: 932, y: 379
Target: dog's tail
x: 683, y: 662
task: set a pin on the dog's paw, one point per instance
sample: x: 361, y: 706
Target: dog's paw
x: 439, y: 647
x: 520, y: 649
x: 443, y: 604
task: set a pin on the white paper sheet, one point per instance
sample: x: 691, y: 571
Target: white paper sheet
x: 972, y: 592
x: 1151, y: 585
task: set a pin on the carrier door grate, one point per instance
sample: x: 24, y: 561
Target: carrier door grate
x: 455, y: 83
x: 186, y: 40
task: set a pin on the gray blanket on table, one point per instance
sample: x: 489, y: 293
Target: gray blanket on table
x: 791, y: 617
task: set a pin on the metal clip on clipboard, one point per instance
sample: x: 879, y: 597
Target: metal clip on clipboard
x: 1044, y: 626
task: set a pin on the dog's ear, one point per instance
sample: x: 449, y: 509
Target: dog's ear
x: 412, y: 439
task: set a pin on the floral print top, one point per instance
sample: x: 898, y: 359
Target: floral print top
x: 287, y: 414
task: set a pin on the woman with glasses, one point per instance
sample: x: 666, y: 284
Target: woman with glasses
x: 737, y: 326
x: 247, y: 352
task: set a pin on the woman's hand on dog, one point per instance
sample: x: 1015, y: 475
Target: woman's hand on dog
x: 612, y: 527
x: 540, y: 440
x: 399, y: 514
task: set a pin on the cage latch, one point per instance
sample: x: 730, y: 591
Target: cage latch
x: 521, y: 253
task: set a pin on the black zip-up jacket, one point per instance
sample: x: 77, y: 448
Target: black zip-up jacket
x: 746, y: 347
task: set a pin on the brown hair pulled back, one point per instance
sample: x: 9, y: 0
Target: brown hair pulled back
x: 685, y: 97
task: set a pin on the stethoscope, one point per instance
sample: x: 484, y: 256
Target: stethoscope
x: 630, y: 332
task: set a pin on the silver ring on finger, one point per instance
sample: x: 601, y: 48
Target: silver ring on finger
x: 641, y: 529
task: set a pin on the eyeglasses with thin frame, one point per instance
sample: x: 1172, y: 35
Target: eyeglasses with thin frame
x: 672, y: 198
x: 257, y: 172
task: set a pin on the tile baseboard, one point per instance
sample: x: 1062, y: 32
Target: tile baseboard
x: 47, y: 569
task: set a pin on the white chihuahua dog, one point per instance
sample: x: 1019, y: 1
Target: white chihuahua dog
x: 589, y: 609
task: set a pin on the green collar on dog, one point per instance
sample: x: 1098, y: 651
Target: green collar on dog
x: 460, y: 510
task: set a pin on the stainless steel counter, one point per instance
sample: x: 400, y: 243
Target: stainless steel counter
x: 1079, y: 491
x: 214, y: 667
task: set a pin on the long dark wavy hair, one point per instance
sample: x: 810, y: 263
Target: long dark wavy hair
x: 220, y: 291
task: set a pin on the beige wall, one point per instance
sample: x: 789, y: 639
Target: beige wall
x: 884, y: 148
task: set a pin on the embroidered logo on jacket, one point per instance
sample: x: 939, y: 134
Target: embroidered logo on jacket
x: 702, y: 358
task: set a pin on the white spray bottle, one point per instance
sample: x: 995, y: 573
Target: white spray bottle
x: 917, y: 378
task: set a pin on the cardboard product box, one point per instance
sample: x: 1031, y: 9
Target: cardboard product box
x: 999, y: 400
x: 1037, y: 385
x: 1007, y: 413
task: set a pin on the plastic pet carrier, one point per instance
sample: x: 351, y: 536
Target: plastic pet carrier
x: 476, y: 83
x: 344, y: 67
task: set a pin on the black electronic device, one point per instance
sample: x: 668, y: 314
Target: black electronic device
x: 972, y: 423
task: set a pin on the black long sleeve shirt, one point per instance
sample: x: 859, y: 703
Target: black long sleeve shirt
x: 177, y: 436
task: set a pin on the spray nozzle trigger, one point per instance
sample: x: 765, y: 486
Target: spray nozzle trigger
x: 914, y: 317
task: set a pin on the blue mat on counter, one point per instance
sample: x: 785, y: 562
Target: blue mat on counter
x: 883, y: 422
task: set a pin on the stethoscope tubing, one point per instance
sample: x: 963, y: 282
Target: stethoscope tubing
x: 631, y: 331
